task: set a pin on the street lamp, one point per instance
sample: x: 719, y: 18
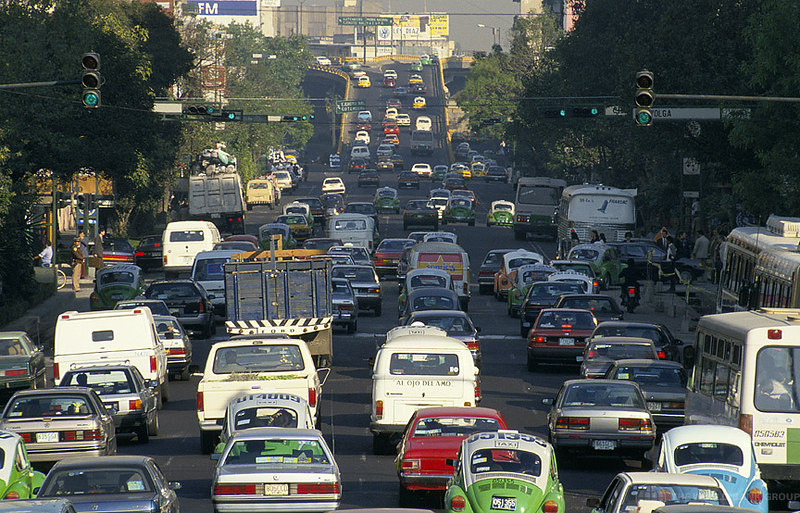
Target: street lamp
x: 300, y: 24
x: 495, y: 32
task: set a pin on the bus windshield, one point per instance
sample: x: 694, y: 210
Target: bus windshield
x: 778, y: 379
x: 537, y: 195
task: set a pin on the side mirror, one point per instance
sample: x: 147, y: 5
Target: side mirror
x: 678, y: 342
x: 152, y: 383
x: 212, y: 296
x: 175, y: 485
x: 194, y: 369
x: 549, y: 401
x: 111, y: 410
x: 593, y: 502
x: 450, y: 462
x: 36, y: 491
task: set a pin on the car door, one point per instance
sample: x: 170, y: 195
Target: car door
x: 610, y: 501
x: 37, y: 357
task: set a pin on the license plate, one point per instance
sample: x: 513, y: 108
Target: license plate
x: 504, y: 503
x: 654, y: 406
x: 604, y: 445
x: 114, y: 405
x: 276, y: 489
x: 116, y: 296
x: 566, y: 341
x: 175, y: 311
x: 47, y: 437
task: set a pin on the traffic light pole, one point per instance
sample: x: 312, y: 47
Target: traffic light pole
x: 28, y: 85
x: 725, y: 97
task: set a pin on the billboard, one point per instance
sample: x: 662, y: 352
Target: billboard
x: 416, y: 26
x: 226, y: 7
x: 439, y: 25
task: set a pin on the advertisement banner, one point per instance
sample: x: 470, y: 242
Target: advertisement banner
x: 439, y: 25
x: 226, y: 7
x: 384, y: 33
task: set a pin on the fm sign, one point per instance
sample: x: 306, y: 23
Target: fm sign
x: 226, y: 7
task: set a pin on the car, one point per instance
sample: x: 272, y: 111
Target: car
x: 358, y: 254
x: 386, y: 200
x: 452, y: 183
x: 416, y: 66
x: 283, y: 179
x: 298, y: 224
x: 504, y: 277
x: 49, y: 421
x: 337, y: 259
x: 525, y: 276
x: 363, y: 82
x: 408, y: 179
x: 587, y: 284
x: 462, y: 150
x: 490, y: 265
x: 361, y: 136
x: 322, y: 60
x: 428, y: 298
x: 668, y: 347
x: 723, y: 452
x: 434, y: 435
x: 419, y: 104
x: 387, y: 255
x: 646, y: 491
x: 579, y: 266
x: 559, y: 335
x: 351, y: 65
x: 368, y: 178
x: 357, y: 164
x: 391, y: 114
x: 465, y: 193
x: 148, y: 254
x: 366, y: 285
x: 459, y: 210
x: 600, y: 417
x: 393, y: 139
x: 440, y: 204
x: 366, y: 208
x: 111, y: 483
x: 236, y: 245
x: 317, y: 211
x: 22, y: 364
x: 364, y: 116
x: 334, y: 185
x: 603, y: 307
x: 333, y: 203
x: 663, y: 384
x: 403, y: 120
x: 523, y: 463
x: 394, y: 103
x: 18, y: 479
x: 440, y: 237
x: 648, y: 257
x: 187, y: 301
x: 389, y: 82
x: 344, y: 303
x: 418, y: 213
x: 125, y: 393
x: 423, y: 123
x: 605, y: 261
x: 422, y: 169
x: 384, y: 164
x: 400, y: 91
x: 398, y: 161
x: 599, y: 354
x: 268, y: 232
x: 390, y: 73
x: 177, y: 344
x: 438, y: 174
x: 296, y: 464
x: 477, y: 170
x: 540, y: 296
x: 501, y: 213
x: 496, y: 174
x: 385, y: 150
x: 456, y: 323
x: 321, y: 243
x: 156, y: 306
x: 425, y: 59
x: 415, y: 79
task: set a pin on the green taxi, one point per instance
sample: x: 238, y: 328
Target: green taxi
x: 459, y: 210
x: 605, y: 261
x: 501, y: 213
x: 116, y: 283
x: 298, y: 224
x: 386, y: 200
x: 425, y: 60
x: 281, y: 230
x: 526, y: 276
x: 505, y: 471
x: 18, y: 479
x: 303, y: 209
x: 416, y: 66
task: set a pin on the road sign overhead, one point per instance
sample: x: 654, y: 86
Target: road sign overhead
x: 343, y: 106
x: 372, y: 21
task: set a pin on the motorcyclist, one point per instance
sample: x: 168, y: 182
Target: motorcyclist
x: 628, y: 276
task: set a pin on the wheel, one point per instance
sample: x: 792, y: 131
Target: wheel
x: 208, y: 440
x: 143, y: 433
x: 184, y: 374
x: 152, y: 426
x: 531, y: 364
x: 510, y: 311
x: 379, y: 443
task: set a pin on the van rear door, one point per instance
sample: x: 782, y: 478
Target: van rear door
x: 418, y: 379
x: 185, y: 244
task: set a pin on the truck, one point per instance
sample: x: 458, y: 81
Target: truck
x: 282, y: 293
x: 213, y: 191
x: 535, y: 206
x: 421, y: 142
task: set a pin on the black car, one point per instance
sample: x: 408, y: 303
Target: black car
x: 317, y: 210
x: 148, y: 254
x: 333, y: 203
x: 490, y: 265
x: 496, y: 174
x: 541, y: 295
x: 363, y: 207
x: 322, y: 243
x: 398, y: 162
x: 408, y: 180
x: 603, y: 307
x: 22, y: 363
x: 668, y: 347
x: 419, y: 213
x: 156, y: 306
x: 428, y: 298
x: 357, y: 164
x: 365, y: 283
x: 368, y: 178
x: 188, y: 301
x: 420, y: 89
x: 648, y: 257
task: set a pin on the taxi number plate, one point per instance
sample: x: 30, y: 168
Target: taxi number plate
x: 566, y: 341
x: 47, y: 437
x: 604, y: 445
x: 653, y: 406
x: 276, y: 489
x: 504, y: 503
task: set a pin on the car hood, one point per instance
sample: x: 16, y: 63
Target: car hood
x: 116, y: 502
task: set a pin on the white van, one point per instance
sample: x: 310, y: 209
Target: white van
x: 182, y: 240
x: 359, y: 152
x: 418, y: 366
x: 112, y: 337
x: 209, y: 271
x: 357, y: 229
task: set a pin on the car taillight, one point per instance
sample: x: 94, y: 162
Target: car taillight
x: 379, y: 408
x: 93, y: 434
x: 157, y: 245
x: 135, y: 404
x: 177, y: 351
x: 139, y: 253
x: 56, y: 373
x: 550, y: 507
x: 201, y: 307
x: 458, y: 503
x: 591, y: 354
x: 16, y: 372
x: 676, y: 405
x: 165, y: 259
x: 477, y: 391
x: 312, y: 396
x: 746, y: 424
x: 596, y: 284
x: 662, y: 355
x: 486, y: 273
x: 631, y: 291
x: 755, y: 496
x: 572, y: 423
x: 635, y: 425
x: 12, y: 495
x: 153, y: 365
x: 200, y: 405
x: 77, y: 436
x: 26, y: 437
x: 410, y: 464
x: 235, y: 489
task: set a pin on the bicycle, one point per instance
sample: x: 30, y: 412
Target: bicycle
x: 61, y: 277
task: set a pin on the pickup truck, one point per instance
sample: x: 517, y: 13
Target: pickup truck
x: 250, y: 365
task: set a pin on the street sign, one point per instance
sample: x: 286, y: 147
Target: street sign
x: 691, y: 166
x: 691, y: 194
x: 367, y: 21
x: 343, y: 106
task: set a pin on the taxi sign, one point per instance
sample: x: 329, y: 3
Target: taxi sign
x: 418, y: 329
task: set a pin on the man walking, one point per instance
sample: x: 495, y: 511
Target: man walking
x: 77, y: 264
x: 98, y: 248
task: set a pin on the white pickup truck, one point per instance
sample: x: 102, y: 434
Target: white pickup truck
x: 251, y: 364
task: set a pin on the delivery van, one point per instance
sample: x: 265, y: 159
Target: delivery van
x: 112, y: 337
x: 418, y: 366
x: 449, y: 257
x: 182, y: 240
x: 357, y: 229
x: 261, y: 191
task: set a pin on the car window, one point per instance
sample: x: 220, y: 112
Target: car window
x: 13, y: 346
x: 350, y: 224
x: 353, y: 273
x: 261, y: 358
x: 671, y: 494
x: 619, y: 351
x: 210, y: 269
x: 187, y: 236
x: 505, y: 460
x: 566, y: 320
x: 653, y: 376
x: 265, y: 416
x: 116, y: 277
x: 584, y: 254
x: 104, y: 382
x: 650, y: 333
x: 514, y: 263
x: 393, y: 245
x: 60, y: 405
x: 708, y: 452
x: 427, y: 281
x: 295, y: 452
x: 453, y: 426
x: 602, y: 394
x: 97, y: 481
x: 433, y: 303
x: 424, y: 364
x: 451, y: 324
x: 168, y: 291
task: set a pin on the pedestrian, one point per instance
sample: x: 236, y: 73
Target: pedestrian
x: 683, y: 245
x: 701, y: 245
x: 603, y: 238
x: 77, y: 264
x: 85, y: 251
x: 46, y: 256
x: 628, y: 236
x: 672, y: 255
x: 98, y: 249
x: 594, y: 237
x: 661, y: 238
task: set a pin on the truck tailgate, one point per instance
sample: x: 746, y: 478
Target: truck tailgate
x: 218, y: 394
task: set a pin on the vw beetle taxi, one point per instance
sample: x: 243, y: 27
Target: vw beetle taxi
x: 116, y: 283
x: 526, y: 276
x: 505, y: 471
x: 386, y: 200
x: 500, y: 214
x: 17, y: 477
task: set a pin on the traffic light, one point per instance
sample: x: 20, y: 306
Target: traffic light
x: 643, y: 113
x: 82, y: 204
x: 231, y: 115
x: 585, y: 112
x: 201, y: 110
x: 290, y: 118
x: 91, y: 80
x: 554, y: 112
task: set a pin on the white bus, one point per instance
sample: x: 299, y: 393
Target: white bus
x: 747, y: 374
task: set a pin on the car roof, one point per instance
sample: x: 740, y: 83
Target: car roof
x: 643, y: 362
x: 667, y: 478
x: 275, y: 432
x: 453, y: 411
x: 631, y: 324
x: 429, y: 271
x: 432, y: 291
x: 415, y: 316
x: 698, y: 433
x: 87, y: 462
x: 619, y: 341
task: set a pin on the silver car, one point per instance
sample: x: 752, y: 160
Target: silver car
x: 345, y: 304
x: 365, y: 282
x: 276, y: 469
x: 177, y: 344
x: 601, y: 417
x: 456, y: 323
x: 600, y: 353
x: 264, y: 409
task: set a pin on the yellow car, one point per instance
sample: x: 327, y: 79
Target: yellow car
x: 392, y: 138
x: 415, y: 79
x: 363, y: 82
x: 419, y: 103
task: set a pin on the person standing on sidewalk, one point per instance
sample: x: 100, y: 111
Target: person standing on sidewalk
x: 46, y: 255
x: 77, y: 264
x: 98, y: 248
x: 84, y: 250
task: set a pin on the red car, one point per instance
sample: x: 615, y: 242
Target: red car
x: 363, y: 125
x: 394, y: 102
x: 434, y: 435
x: 390, y: 128
x: 388, y: 254
x: 389, y: 82
x: 559, y: 335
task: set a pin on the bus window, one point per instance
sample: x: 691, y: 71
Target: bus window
x: 777, y: 380
x: 707, y: 376
x: 721, y: 382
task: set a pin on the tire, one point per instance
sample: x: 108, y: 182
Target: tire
x: 152, y: 427
x: 184, y: 374
x: 405, y: 497
x: 143, y: 433
x: 379, y: 444
x: 165, y: 391
x: 631, y: 306
x: 208, y: 440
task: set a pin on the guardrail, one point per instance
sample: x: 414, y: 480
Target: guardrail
x: 341, y: 74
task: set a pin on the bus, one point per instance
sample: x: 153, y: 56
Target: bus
x: 760, y: 267
x: 746, y: 373
x: 535, y: 206
x: 586, y: 207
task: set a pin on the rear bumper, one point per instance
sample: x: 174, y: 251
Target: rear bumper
x: 566, y: 354
x: 378, y: 428
x: 57, y: 455
x: 128, y: 422
x: 415, y: 481
x: 624, y: 444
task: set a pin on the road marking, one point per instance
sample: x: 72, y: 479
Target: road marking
x: 482, y: 337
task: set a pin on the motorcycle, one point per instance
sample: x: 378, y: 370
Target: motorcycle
x: 630, y: 296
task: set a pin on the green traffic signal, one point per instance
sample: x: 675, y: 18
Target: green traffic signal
x: 91, y: 98
x: 644, y: 118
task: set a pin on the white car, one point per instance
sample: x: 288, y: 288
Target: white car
x: 283, y: 179
x: 362, y: 136
x: 439, y: 203
x: 323, y: 61
x: 334, y: 184
x: 391, y: 113
x: 422, y: 169
x: 441, y: 237
x: 424, y: 123
x: 264, y: 409
x: 403, y: 120
x: 385, y: 150
x: 364, y: 116
x: 390, y: 73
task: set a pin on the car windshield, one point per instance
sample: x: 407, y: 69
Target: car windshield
x: 393, y: 245
x: 552, y: 289
x: 276, y: 452
x: 427, y: 280
x: 331, y: 201
x: 210, y: 269
x: 437, y: 202
x: 504, y: 207
x: 584, y: 254
x: 98, y: 481
x: 350, y: 224
x: 387, y: 194
x: 534, y: 275
x: 460, y: 203
x: 650, y: 333
x: 433, y: 303
x: 423, y: 364
x: 104, y: 382
x: 274, y: 230
x: 265, y: 416
x: 51, y: 405
x: 13, y: 346
x: 171, y: 325
x: 619, y: 351
x: 353, y: 274
x: 602, y: 394
x: 258, y: 185
x: 708, y: 452
x: 566, y: 320
x: 296, y: 210
x: 653, y: 376
x: 514, y: 263
x: 537, y: 195
x: 340, y: 286
x: 493, y: 257
x: 323, y: 244
x: 259, y: 358
x: 453, y: 325
x: 597, y: 305
x: 453, y: 426
x: 167, y: 291
x: 311, y: 202
x: 292, y: 219
x: 671, y: 494
x: 777, y: 379
x: 116, y: 278
x: 505, y: 460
